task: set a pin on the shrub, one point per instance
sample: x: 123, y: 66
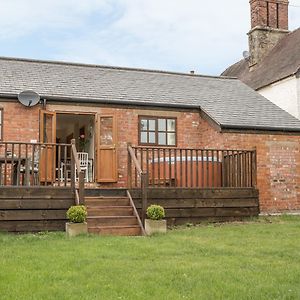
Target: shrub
x: 77, y: 214
x: 155, y: 212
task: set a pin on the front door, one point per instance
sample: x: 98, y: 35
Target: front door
x: 106, y: 154
x: 47, y: 151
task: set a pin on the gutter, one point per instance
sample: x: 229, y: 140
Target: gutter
x: 151, y: 104
x: 260, y: 128
x: 102, y: 101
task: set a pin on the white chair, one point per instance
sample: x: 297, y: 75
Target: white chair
x: 83, y: 158
x: 65, y: 168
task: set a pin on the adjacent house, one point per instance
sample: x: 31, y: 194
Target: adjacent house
x: 202, y: 146
x: 272, y: 66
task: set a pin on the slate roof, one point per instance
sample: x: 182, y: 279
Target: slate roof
x: 282, y: 61
x: 229, y: 102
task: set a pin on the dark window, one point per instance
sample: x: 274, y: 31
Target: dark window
x: 158, y: 131
x: 1, y: 124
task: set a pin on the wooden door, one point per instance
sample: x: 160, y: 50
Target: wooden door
x: 106, y: 154
x: 47, y: 153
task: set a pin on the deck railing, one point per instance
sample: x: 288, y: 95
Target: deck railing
x: 193, y: 168
x: 40, y: 164
x: 140, y: 179
x: 77, y: 172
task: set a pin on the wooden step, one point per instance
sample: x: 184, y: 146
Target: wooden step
x: 106, y: 201
x: 110, y: 211
x: 116, y: 230
x: 111, y: 221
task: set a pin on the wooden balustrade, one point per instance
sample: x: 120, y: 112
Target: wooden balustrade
x: 192, y: 168
x: 141, y: 179
x: 40, y: 164
x: 75, y: 168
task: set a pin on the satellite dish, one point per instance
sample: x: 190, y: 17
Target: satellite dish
x: 29, y: 98
x: 246, y: 55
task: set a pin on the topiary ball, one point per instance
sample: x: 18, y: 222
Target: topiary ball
x: 155, y: 212
x: 77, y: 214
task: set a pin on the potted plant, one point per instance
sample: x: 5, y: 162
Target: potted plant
x: 155, y: 222
x: 77, y: 217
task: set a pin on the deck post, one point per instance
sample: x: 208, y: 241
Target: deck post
x: 72, y: 166
x: 129, y: 168
x: 254, y: 168
x: 81, y: 187
x: 144, y: 189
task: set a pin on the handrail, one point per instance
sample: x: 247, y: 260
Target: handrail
x: 79, y: 195
x: 144, y: 179
x: 77, y: 200
x: 134, y: 159
x: 191, y: 148
x: 76, y: 160
x: 136, y: 213
x: 33, y: 143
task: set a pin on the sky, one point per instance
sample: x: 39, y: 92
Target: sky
x: 173, y: 35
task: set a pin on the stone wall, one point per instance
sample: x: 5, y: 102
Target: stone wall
x: 269, y: 23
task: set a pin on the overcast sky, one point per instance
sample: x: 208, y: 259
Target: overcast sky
x: 176, y: 35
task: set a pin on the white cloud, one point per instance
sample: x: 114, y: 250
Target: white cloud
x: 170, y: 34
x: 181, y: 35
x: 19, y: 18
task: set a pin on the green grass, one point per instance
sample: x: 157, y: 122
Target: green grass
x: 254, y: 260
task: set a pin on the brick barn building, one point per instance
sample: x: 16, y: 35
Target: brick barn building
x: 187, y: 132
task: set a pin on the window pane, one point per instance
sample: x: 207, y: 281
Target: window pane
x: 48, y: 129
x: 143, y: 137
x: 144, y: 124
x: 106, y: 131
x: 161, y: 138
x: 151, y: 124
x: 152, y: 137
x: 171, y: 125
x: 171, y: 139
x: 161, y: 124
x: 0, y: 116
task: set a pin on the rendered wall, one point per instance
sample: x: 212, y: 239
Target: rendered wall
x: 285, y: 94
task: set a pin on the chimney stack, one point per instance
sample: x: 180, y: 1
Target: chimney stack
x: 269, y: 23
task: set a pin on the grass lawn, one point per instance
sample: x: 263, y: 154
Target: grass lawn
x: 254, y: 260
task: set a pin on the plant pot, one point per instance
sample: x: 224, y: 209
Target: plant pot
x: 155, y: 226
x: 73, y: 229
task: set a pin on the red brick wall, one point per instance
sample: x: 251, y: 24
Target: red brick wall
x: 278, y: 164
x: 19, y: 122
x: 278, y: 156
x: 264, y: 15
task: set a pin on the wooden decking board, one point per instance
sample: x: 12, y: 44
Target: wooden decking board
x: 34, y: 209
x: 32, y: 226
x: 44, y: 192
x: 38, y: 203
x: 32, y: 214
x: 44, y: 208
x: 195, y: 205
x: 193, y: 193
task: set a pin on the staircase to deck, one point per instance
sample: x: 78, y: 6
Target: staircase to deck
x: 112, y: 215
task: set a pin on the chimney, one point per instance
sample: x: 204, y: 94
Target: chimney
x: 269, y: 23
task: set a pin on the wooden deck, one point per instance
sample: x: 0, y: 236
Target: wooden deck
x: 34, y: 209
x: 24, y: 209
x: 195, y: 205
x: 191, y: 184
